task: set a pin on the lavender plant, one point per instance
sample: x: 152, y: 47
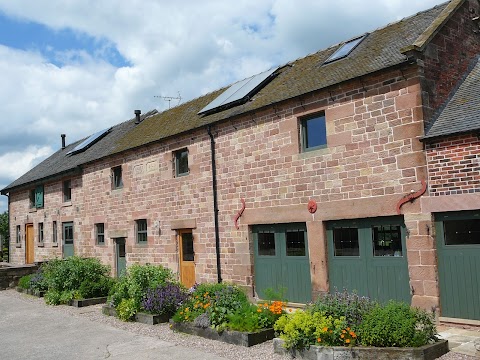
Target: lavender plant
x: 164, y: 299
x: 344, y: 304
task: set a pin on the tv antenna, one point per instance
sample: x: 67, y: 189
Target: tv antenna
x: 170, y: 98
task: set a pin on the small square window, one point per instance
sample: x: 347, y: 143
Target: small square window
x: 67, y: 190
x: 40, y: 232
x: 54, y: 233
x: 314, y: 133
x: 117, y: 181
x: 100, y: 233
x: 19, y: 235
x: 345, y: 241
x: 141, y: 231
x: 266, y: 244
x: 181, y: 162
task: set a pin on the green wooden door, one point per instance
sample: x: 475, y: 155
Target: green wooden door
x: 67, y: 231
x: 281, y: 261
x: 121, y: 260
x: 369, y: 256
x: 458, y: 244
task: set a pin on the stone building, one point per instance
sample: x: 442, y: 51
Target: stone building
x: 323, y: 173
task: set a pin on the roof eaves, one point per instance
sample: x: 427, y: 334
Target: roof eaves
x: 424, y: 39
x: 74, y: 171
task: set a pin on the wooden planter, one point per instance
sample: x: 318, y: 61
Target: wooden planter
x: 88, y: 302
x: 227, y: 336
x: 427, y: 352
x: 144, y: 318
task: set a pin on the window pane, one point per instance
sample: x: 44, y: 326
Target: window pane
x: 142, y: 230
x: 462, y: 232
x: 387, y: 240
x: 266, y: 244
x: 296, y: 243
x: 346, y: 242
x: 187, y: 247
x: 315, y: 133
x: 67, y: 190
x: 117, y: 177
x: 100, y: 233
x: 68, y: 233
x: 182, y: 162
x: 54, y: 232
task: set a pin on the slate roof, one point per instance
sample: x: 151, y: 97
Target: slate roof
x: 461, y: 113
x: 60, y: 163
x: 381, y: 49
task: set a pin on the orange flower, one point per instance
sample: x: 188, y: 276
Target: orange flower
x: 352, y: 334
x: 325, y: 329
x: 347, y: 341
x: 344, y: 331
x: 319, y: 340
x: 259, y: 310
x: 348, y: 329
x: 342, y: 336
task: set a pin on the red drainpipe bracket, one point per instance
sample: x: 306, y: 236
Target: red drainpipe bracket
x: 412, y: 196
x: 240, y: 212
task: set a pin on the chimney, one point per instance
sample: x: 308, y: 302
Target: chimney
x: 63, y: 140
x: 137, y: 115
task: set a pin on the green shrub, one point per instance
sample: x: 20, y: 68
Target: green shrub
x: 397, y: 324
x: 301, y: 329
x: 351, y: 306
x: 133, y: 286
x: 24, y: 282
x: 127, y: 309
x: 253, y: 318
x: 52, y: 297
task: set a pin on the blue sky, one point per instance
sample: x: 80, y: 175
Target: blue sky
x: 79, y: 66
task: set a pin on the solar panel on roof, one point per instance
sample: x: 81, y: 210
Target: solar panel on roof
x: 239, y: 91
x: 345, y: 49
x: 89, y: 142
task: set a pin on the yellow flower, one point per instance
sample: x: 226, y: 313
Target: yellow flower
x: 259, y: 310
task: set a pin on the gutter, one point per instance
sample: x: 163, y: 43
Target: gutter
x: 215, y: 203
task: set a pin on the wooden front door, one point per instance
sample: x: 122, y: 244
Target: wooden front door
x: 187, y: 258
x: 121, y: 261
x: 29, y: 244
x: 68, y: 247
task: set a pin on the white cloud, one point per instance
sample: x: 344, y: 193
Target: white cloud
x: 21, y: 162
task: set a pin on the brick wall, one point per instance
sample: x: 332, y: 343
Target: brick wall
x: 448, y: 56
x: 454, y: 166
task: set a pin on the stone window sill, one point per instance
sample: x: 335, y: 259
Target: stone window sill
x: 18, y: 245
x: 66, y: 204
x: 55, y: 245
x: 41, y: 244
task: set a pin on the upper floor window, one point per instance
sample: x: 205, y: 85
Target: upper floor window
x: 40, y: 232
x: 141, y: 230
x: 314, y: 132
x: 67, y: 190
x: 181, y: 162
x: 36, y: 197
x: 100, y: 233
x: 117, y: 181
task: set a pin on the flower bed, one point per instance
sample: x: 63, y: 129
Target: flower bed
x: 314, y: 352
x: 31, y: 292
x: 228, y: 336
x: 337, y: 324
x: 223, y: 312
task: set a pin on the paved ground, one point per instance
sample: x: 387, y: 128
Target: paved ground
x: 27, y: 333
x: 462, y: 341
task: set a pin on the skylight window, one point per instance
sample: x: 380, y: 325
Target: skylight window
x: 239, y: 92
x: 89, y: 142
x: 345, y: 49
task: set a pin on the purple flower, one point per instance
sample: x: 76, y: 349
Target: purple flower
x: 165, y: 299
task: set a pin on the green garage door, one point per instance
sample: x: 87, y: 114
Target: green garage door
x: 458, y: 244
x: 369, y: 256
x: 281, y: 261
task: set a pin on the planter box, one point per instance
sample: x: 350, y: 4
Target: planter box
x: 144, y: 318
x: 427, y: 352
x: 88, y: 302
x: 31, y: 292
x: 230, y: 337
